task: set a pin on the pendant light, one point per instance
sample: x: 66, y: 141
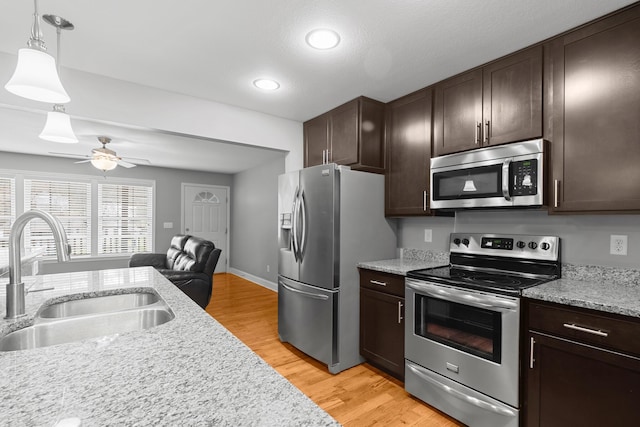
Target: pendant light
x: 36, y: 76
x: 58, y: 125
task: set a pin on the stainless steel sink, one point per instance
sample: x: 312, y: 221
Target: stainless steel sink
x: 78, y: 320
x: 96, y: 305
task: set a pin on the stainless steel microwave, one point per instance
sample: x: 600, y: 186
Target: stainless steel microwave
x: 510, y: 175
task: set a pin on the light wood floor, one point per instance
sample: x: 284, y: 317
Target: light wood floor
x: 360, y: 396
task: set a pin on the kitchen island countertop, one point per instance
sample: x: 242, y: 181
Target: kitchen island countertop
x: 189, y: 371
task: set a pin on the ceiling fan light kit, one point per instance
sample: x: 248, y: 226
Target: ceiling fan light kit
x: 103, y: 162
x: 36, y: 76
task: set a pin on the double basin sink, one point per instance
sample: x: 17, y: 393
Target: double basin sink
x: 94, y: 317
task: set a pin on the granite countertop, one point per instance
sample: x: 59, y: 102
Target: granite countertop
x: 611, y: 290
x: 188, y: 371
x: 410, y: 259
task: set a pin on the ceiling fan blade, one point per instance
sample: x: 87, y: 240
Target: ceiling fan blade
x: 76, y: 156
x: 83, y: 161
x: 125, y: 164
x: 136, y: 160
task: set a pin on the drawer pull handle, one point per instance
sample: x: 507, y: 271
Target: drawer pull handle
x: 375, y: 282
x: 587, y: 330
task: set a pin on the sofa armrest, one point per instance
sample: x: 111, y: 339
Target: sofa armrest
x: 157, y: 261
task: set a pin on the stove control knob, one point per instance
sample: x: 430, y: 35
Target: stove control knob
x: 545, y: 246
x: 456, y: 242
x: 465, y: 242
x: 533, y: 245
x: 521, y: 244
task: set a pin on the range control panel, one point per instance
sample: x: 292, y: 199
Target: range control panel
x: 514, y: 245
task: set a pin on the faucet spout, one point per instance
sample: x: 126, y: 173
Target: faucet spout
x: 15, y: 288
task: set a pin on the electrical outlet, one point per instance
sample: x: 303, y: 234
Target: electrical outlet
x: 618, y: 245
x: 428, y: 235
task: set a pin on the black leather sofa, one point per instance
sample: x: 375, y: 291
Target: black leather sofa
x: 189, y: 264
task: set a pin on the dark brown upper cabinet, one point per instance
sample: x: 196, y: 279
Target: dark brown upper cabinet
x: 496, y: 104
x: 596, y: 116
x: 351, y: 134
x: 408, y: 133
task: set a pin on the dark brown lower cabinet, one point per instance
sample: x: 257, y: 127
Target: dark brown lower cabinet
x: 572, y: 381
x: 382, y: 321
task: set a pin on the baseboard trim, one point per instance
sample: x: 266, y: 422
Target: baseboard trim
x: 255, y: 279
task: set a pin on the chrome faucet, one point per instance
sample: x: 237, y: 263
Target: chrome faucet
x: 15, y: 288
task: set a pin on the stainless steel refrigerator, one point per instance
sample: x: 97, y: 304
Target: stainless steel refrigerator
x: 329, y: 219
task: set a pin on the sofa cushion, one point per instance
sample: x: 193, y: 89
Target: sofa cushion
x: 175, y: 250
x: 194, y: 255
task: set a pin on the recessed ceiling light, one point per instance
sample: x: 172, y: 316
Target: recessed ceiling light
x: 323, y: 39
x: 266, y: 84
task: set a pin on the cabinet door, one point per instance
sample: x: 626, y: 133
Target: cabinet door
x: 382, y: 330
x: 596, y: 110
x: 458, y: 113
x: 408, y: 153
x: 579, y: 385
x: 316, y: 138
x: 512, y: 99
x: 343, y: 137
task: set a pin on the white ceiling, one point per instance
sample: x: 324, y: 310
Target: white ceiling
x: 215, y: 49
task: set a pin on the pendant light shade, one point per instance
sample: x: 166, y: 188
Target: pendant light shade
x: 58, y: 127
x: 104, y: 163
x: 36, y: 78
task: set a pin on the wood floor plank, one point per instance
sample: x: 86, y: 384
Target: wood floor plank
x: 360, y: 396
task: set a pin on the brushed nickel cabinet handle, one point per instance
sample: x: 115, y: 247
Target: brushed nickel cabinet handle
x: 375, y: 282
x: 487, y: 125
x: 556, y: 190
x: 575, y: 327
x: 478, y: 132
x: 424, y: 200
x: 531, y: 359
x: 400, y: 312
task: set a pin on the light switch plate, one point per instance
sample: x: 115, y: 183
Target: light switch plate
x: 168, y: 225
x: 428, y: 235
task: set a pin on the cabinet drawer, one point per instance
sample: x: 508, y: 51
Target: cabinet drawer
x: 587, y: 326
x: 382, y: 282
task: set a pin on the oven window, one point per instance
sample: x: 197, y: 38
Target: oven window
x: 471, y: 183
x: 476, y: 331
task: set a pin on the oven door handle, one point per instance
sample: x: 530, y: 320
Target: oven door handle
x: 464, y: 297
x: 459, y: 395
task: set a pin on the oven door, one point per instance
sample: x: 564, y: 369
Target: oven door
x: 469, y: 336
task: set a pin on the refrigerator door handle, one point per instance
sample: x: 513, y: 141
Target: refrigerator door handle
x: 307, y: 294
x: 294, y: 226
x: 303, y: 214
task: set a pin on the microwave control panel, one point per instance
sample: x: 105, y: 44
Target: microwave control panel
x: 523, y: 179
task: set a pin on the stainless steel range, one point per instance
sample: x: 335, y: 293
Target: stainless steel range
x: 462, y: 336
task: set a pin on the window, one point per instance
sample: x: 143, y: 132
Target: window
x: 70, y: 202
x: 125, y: 219
x: 101, y: 217
x: 7, y: 209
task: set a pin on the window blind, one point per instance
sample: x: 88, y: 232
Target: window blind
x: 70, y: 202
x: 7, y: 209
x: 125, y: 218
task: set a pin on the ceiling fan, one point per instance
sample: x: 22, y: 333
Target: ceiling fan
x: 103, y: 158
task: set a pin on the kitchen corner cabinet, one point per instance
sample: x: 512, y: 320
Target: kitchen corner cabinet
x: 408, y: 133
x: 351, y: 134
x: 382, y: 321
x: 496, y: 104
x: 596, y: 116
x: 583, y: 368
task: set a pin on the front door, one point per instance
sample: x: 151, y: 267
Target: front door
x: 204, y: 214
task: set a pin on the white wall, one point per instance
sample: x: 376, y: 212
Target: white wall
x: 101, y: 98
x: 254, y: 230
